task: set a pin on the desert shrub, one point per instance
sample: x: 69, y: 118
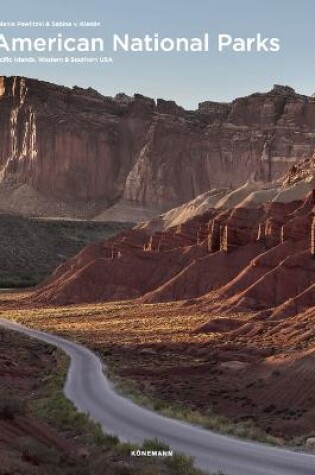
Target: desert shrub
x: 11, y: 406
x: 181, y: 464
x: 154, y: 444
x: 36, y: 453
x: 107, y: 441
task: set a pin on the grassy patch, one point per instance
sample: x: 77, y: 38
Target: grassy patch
x: 53, y: 407
x: 21, y: 281
x: 245, y: 429
x: 31, y: 249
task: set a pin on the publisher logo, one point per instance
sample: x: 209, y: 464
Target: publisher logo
x: 151, y: 453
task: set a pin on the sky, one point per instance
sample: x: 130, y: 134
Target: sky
x: 187, y: 78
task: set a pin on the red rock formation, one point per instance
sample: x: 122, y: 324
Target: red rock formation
x: 240, y: 228
x: 313, y: 238
x: 77, y: 145
x: 125, y: 276
x: 238, y: 259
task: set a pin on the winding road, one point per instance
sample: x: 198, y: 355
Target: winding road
x: 91, y: 392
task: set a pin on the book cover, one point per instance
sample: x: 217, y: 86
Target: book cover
x: 157, y: 237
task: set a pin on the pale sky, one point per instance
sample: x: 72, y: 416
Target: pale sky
x: 188, y: 78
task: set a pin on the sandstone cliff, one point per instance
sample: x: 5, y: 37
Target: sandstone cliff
x: 69, y: 149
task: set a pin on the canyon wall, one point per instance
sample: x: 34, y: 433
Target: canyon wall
x: 76, y: 145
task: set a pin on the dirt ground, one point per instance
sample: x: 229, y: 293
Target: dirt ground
x: 253, y: 372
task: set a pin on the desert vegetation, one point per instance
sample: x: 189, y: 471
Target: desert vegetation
x: 30, y: 249
x: 41, y: 431
x: 158, y: 355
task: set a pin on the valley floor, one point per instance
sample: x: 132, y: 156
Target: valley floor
x: 42, y: 434
x: 260, y: 387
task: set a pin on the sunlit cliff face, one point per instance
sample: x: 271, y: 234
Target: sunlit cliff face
x: 76, y: 144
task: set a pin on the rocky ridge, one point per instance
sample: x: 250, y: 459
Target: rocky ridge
x: 241, y: 259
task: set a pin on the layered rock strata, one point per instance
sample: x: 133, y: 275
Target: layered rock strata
x: 252, y: 258
x: 76, y: 145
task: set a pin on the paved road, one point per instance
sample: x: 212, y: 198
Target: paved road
x: 91, y: 392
